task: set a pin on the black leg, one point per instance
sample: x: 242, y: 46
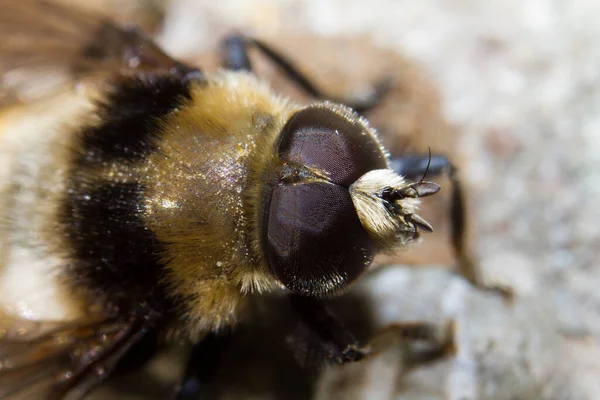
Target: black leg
x: 413, y: 166
x: 323, y: 334
x: 437, y: 341
x: 234, y: 55
x: 202, y: 367
x: 326, y: 338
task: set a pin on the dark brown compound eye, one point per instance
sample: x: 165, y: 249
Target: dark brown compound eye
x: 313, y: 239
x: 315, y: 243
x: 335, y: 141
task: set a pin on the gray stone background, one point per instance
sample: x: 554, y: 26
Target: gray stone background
x: 519, y: 83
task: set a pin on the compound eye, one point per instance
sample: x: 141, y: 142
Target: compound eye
x: 334, y: 140
x: 315, y: 243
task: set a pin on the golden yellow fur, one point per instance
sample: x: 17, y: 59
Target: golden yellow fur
x: 203, y: 192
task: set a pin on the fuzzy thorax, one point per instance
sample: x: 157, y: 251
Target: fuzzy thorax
x: 389, y: 218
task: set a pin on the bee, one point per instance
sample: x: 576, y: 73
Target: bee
x: 142, y: 195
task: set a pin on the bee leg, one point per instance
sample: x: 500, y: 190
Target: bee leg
x: 324, y: 336
x: 414, y: 166
x: 234, y: 56
x: 439, y: 338
x: 202, y: 367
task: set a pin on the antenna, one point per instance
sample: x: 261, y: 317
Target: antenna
x: 426, y: 169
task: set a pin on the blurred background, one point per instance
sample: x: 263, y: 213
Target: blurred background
x: 510, y: 89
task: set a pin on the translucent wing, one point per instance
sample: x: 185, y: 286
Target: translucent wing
x: 44, y: 46
x: 60, y: 361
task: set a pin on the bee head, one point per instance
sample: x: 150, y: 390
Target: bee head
x: 334, y: 203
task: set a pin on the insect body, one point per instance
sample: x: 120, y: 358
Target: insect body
x: 157, y: 196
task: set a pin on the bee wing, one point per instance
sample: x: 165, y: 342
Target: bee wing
x: 62, y: 361
x: 45, y: 46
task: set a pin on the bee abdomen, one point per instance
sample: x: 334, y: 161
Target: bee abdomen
x: 130, y: 117
x: 114, y: 253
